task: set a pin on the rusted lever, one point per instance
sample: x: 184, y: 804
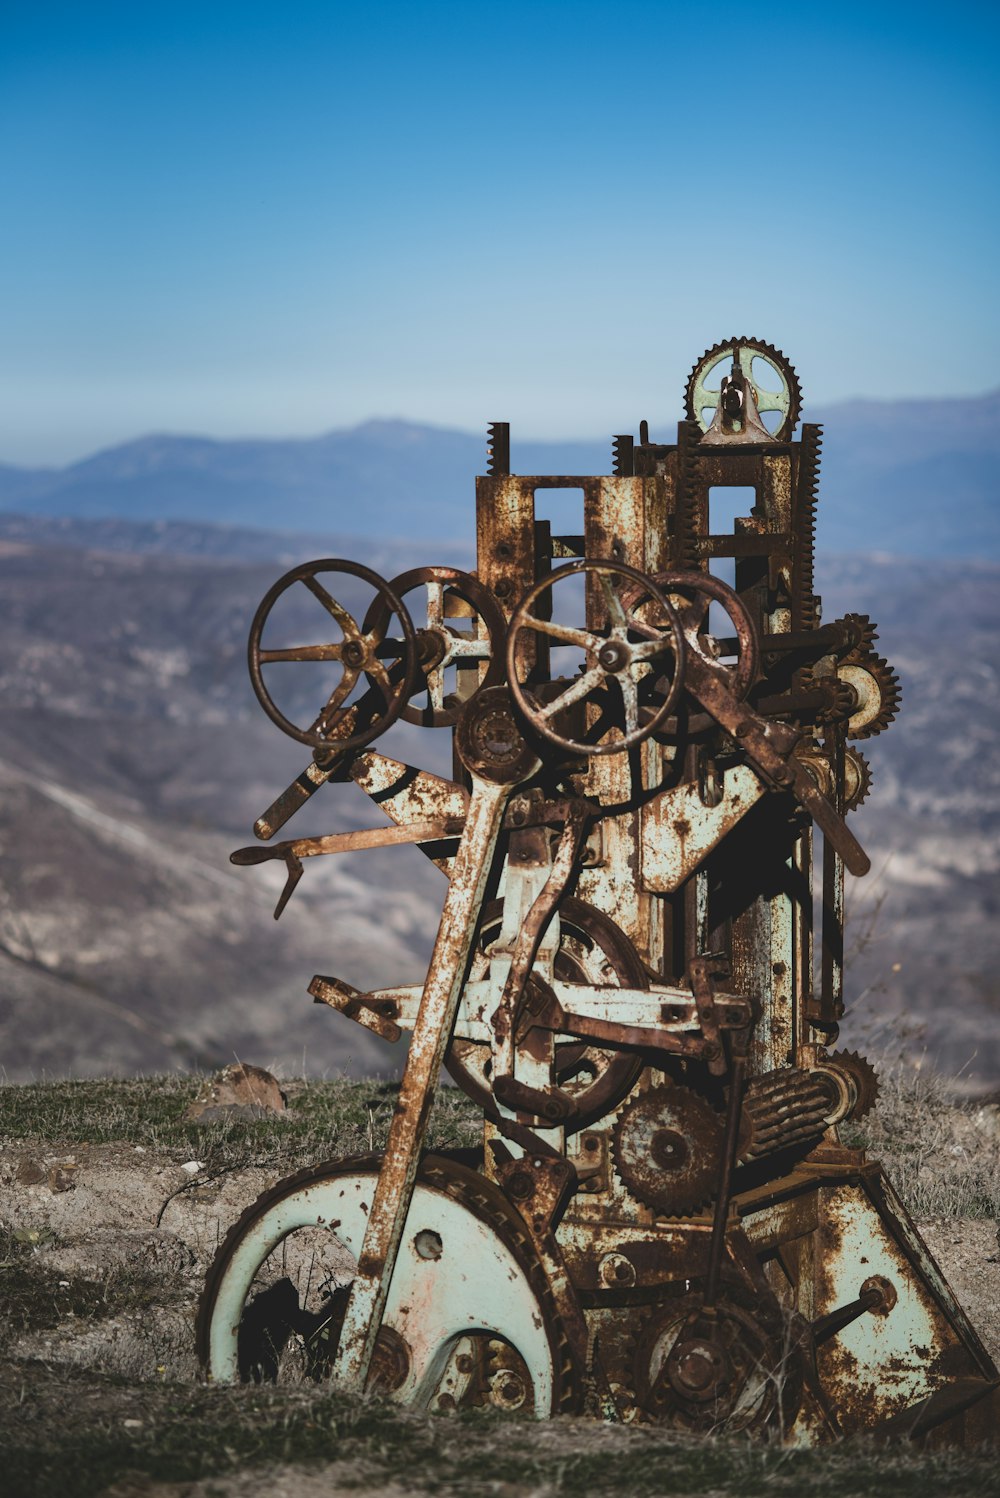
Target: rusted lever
x: 768, y: 746
x: 430, y: 830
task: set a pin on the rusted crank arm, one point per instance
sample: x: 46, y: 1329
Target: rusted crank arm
x: 432, y: 1032
x: 768, y: 746
x: 432, y: 830
x: 319, y: 770
x: 376, y: 1014
x: 427, y: 830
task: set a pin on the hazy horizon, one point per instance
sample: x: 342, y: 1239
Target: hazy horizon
x: 238, y: 220
x: 549, y: 438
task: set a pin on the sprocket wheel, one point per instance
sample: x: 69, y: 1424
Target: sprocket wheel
x: 876, y: 687
x: 667, y: 1145
x: 701, y: 398
x: 857, y: 779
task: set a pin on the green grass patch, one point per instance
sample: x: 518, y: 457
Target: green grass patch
x: 179, y: 1434
x: 323, y: 1119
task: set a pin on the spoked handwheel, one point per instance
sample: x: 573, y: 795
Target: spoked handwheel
x: 463, y: 635
x: 359, y: 656
x: 592, y: 951
x: 276, y: 1293
x: 638, y: 665
x: 691, y: 595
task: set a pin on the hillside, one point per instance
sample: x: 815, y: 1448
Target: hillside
x: 133, y: 758
x: 914, y: 477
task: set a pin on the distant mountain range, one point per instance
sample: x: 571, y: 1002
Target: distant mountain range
x: 915, y: 477
x: 133, y: 758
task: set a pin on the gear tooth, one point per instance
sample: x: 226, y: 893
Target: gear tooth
x: 688, y: 510
x: 805, y: 610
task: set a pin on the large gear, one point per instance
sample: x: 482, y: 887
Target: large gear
x: 237, y: 1337
x: 875, y: 686
x: 698, y: 398
x: 667, y: 1145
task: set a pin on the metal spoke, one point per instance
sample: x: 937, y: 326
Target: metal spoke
x: 376, y: 670
x: 648, y: 648
x: 616, y: 611
x: 772, y: 400
x: 303, y: 653
x: 435, y: 603
x: 331, y: 605
x: 579, y: 689
x: 630, y: 698
x: 468, y: 647
x: 435, y: 687
x: 563, y: 632
x: 340, y: 692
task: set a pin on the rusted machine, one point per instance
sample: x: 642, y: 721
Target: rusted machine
x: 663, y: 1223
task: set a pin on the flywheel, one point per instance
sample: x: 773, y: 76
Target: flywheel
x: 277, y: 1290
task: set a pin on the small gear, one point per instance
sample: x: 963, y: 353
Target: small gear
x: 857, y: 778
x: 876, y: 687
x: 864, y: 1080
x: 699, y: 398
x: 666, y: 1146
x: 865, y: 629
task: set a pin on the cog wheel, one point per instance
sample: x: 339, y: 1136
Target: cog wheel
x: 666, y: 1146
x: 857, y: 778
x: 700, y: 398
x: 740, y: 1368
x: 876, y: 686
x: 863, y: 1077
x: 592, y: 950
x: 867, y: 631
x: 255, y: 1322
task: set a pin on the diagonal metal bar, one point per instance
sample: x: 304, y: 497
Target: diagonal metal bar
x: 575, y: 693
x: 343, y: 618
x: 431, y: 1034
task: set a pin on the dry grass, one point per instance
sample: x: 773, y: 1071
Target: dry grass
x: 66, y: 1429
x: 941, y: 1151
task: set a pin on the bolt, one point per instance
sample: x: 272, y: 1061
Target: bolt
x: 520, y: 1185
x: 613, y: 655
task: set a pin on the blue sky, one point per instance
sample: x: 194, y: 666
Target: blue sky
x: 267, y: 220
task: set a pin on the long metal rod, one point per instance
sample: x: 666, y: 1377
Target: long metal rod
x: 435, y: 1019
